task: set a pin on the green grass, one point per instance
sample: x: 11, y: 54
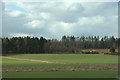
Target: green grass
x: 76, y: 74
x: 9, y: 64
x: 61, y: 72
x: 72, y: 58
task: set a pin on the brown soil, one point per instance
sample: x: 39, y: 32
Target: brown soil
x: 101, y: 51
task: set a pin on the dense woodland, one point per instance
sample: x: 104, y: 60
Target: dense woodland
x: 67, y: 44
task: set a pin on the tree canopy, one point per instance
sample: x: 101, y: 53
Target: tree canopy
x: 67, y: 44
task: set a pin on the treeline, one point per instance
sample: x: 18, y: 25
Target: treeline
x: 68, y: 44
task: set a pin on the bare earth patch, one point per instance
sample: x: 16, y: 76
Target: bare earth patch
x: 31, y: 60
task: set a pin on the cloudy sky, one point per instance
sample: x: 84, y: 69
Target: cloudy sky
x: 55, y: 19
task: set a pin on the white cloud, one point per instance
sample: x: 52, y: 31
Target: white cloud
x: 61, y: 27
x: 36, y: 24
x: 19, y: 35
x: 15, y: 13
x: 45, y: 15
x: 96, y: 20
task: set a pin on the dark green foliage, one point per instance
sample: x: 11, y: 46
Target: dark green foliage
x: 23, y: 45
x: 68, y: 44
x: 106, y: 53
x: 112, y: 50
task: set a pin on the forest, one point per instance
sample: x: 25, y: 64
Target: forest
x: 67, y: 44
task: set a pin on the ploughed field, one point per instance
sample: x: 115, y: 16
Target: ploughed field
x: 60, y: 66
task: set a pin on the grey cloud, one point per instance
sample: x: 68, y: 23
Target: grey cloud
x: 62, y: 19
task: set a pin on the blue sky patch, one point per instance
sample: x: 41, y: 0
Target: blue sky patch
x: 15, y: 8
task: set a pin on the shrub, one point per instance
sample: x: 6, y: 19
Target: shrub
x: 106, y: 53
x: 112, y: 50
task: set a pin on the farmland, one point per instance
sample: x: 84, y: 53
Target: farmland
x: 62, y: 66
x: 59, y: 39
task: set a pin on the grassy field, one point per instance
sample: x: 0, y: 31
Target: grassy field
x: 76, y: 74
x: 77, y: 66
x: 72, y: 58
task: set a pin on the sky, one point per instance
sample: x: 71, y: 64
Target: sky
x: 55, y: 19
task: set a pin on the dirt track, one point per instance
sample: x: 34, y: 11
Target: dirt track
x: 32, y: 60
